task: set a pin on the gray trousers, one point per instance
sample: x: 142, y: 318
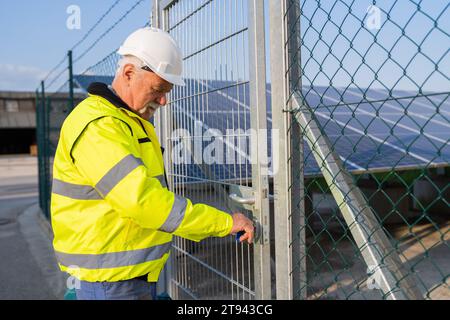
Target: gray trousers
x: 133, y: 289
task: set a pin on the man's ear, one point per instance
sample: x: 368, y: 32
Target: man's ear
x: 128, y: 71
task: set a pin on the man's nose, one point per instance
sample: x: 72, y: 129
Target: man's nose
x: 162, y: 101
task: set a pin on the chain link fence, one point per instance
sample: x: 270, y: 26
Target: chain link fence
x: 51, y: 110
x: 369, y: 98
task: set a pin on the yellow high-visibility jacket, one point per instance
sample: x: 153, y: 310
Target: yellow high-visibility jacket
x: 112, y: 215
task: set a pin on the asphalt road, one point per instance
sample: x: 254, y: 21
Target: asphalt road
x: 27, y: 266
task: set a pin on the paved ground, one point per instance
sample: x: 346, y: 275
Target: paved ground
x: 28, y: 269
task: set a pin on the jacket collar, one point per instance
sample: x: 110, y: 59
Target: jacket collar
x: 102, y: 90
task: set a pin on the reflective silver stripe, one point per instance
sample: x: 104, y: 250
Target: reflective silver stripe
x: 117, y: 173
x: 176, y: 215
x: 114, y: 259
x: 75, y: 191
x: 162, y: 180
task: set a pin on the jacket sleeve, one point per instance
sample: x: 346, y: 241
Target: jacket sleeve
x: 108, y: 156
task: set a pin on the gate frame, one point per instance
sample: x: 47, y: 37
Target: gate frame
x: 289, y: 204
x: 258, y: 122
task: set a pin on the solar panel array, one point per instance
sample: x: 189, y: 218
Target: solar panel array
x: 369, y: 133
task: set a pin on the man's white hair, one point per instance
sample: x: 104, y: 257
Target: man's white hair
x: 129, y: 59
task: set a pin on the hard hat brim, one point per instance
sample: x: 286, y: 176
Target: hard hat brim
x: 175, y: 80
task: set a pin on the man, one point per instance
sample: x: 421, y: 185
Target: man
x: 112, y: 214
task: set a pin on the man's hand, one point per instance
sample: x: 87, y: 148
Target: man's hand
x: 242, y: 223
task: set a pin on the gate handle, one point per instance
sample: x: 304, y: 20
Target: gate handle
x: 257, y: 234
x: 241, y: 200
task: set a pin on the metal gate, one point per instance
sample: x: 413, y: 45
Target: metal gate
x: 213, y: 148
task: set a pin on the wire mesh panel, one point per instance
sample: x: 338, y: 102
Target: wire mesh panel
x: 208, y: 141
x: 52, y: 109
x: 103, y: 70
x: 53, y: 105
x: 369, y: 89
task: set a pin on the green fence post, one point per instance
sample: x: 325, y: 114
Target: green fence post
x: 46, y: 157
x: 43, y: 171
x: 39, y: 142
x: 71, y: 102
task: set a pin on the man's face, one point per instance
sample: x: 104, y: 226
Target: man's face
x: 149, y: 92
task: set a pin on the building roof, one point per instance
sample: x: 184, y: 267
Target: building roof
x: 16, y: 120
x: 17, y: 95
x: 23, y: 113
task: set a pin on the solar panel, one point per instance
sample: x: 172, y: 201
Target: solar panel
x: 369, y: 133
x: 83, y: 81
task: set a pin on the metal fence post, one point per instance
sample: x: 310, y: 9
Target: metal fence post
x: 164, y: 282
x: 280, y: 151
x: 155, y: 20
x: 163, y: 121
x: 164, y: 115
x: 71, y: 101
x: 258, y: 118
x: 47, y: 180
x: 39, y: 145
x: 298, y: 242
x: 43, y: 174
x: 156, y: 23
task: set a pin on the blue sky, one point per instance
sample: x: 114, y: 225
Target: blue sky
x: 346, y: 62
x: 34, y: 36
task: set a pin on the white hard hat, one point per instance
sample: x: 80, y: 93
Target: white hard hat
x: 158, y: 50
